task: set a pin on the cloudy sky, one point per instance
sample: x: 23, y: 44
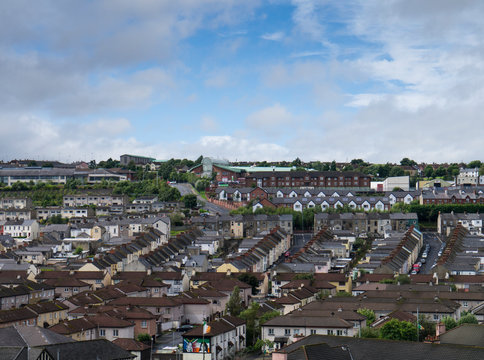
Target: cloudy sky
x: 242, y: 80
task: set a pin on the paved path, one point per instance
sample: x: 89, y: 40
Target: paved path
x: 186, y: 189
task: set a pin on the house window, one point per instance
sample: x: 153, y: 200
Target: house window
x: 313, y: 331
x: 271, y: 331
x: 465, y: 304
x: 436, y: 317
x: 330, y: 332
x: 66, y: 289
x: 115, y: 332
x: 339, y: 332
x: 144, y: 324
x: 296, y: 331
x: 102, y: 332
x: 287, y: 332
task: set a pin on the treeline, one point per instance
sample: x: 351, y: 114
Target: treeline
x: 134, y: 189
x: 447, y: 172
x: 46, y: 194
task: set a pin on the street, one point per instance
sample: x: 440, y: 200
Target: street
x: 434, y: 242
x: 186, y: 189
x: 299, y: 240
x: 171, y: 339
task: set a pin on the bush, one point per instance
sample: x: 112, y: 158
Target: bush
x: 144, y: 337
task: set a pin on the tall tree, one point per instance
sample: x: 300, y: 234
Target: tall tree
x: 234, y: 305
x: 407, y: 162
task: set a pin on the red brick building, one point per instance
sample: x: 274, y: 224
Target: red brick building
x: 331, y: 179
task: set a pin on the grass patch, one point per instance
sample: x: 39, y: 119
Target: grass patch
x: 176, y: 232
x: 202, y: 194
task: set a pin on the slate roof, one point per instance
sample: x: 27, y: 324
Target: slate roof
x: 19, y: 335
x: 216, y: 328
x: 379, y: 349
x: 95, y: 349
x: 130, y: 344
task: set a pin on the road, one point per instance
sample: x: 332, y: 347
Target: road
x: 186, y: 189
x: 434, y: 242
x: 298, y: 241
x: 169, y: 339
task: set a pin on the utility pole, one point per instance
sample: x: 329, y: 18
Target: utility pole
x: 418, y: 326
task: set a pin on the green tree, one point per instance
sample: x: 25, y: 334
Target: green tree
x: 403, y: 279
x: 467, y: 318
x: 268, y: 316
x: 407, y: 162
x: 429, y: 171
x: 449, y: 322
x: 234, y: 305
x: 369, y: 333
x: 252, y: 326
x: 78, y: 251
x: 369, y: 314
x: 399, y: 330
x: 452, y: 171
x: 190, y: 201
x: 474, y: 164
x: 332, y: 167
x: 143, y: 337
x: 441, y: 171
x: 250, y: 280
x: 296, y: 162
x: 396, y: 171
x: 426, y: 327
x: 176, y: 219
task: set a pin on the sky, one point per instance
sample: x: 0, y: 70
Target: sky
x: 247, y: 80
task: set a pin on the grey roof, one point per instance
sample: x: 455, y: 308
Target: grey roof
x: 31, y: 336
x: 378, y: 349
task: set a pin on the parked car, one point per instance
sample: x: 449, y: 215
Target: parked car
x: 185, y: 328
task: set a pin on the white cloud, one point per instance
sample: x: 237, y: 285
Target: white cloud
x: 208, y: 124
x: 107, y: 127
x: 276, y: 36
x: 306, y: 19
x: 37, y: 138
x: 218, y: 79
x: 271, y: 120
x: 232, y: 147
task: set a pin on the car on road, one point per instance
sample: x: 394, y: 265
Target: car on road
x: 185, y: 328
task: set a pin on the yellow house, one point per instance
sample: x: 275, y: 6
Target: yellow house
x: 342, y: 282
x: 229, y: 268
x: 50, y: 313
